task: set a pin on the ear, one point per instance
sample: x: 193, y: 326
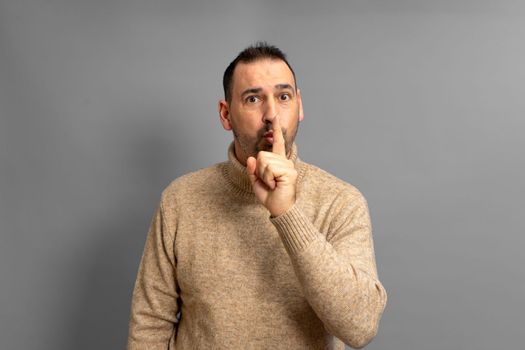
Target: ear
x: 300, y: 100
x: 224, y: 114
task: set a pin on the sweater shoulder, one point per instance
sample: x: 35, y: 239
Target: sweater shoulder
x: 193, y: 183
x: 321, y: 183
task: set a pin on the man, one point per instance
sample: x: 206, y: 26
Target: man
x: 263, y: 251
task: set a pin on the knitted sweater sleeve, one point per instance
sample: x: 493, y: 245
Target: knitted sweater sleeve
x: 337, y: 270
x: 153, y: 321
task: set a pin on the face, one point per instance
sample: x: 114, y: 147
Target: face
x: 261, y: 90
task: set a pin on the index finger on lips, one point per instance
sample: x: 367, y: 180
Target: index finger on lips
x: 278, y: 138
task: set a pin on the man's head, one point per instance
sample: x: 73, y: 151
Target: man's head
x: 259, y: 51
x: 258, y: 85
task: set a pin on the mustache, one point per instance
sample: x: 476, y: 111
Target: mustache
x: 267, y: 128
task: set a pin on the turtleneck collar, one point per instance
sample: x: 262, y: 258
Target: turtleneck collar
x: 238, y: 177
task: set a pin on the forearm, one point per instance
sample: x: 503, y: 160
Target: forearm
x: 154, y: 303
x: 345, y: 294
x: 152, y: 320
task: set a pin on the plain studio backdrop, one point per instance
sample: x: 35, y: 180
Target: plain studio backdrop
x: 419, y: 104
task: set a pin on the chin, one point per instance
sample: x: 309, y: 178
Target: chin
x: 263, y: 146
x: 268, y: 147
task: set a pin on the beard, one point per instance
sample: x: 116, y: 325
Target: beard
x: 251, y: 146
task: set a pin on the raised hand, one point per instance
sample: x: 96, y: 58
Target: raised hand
x: 273, y: 176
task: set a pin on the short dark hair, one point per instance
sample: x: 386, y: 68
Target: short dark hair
x: 261, y: 50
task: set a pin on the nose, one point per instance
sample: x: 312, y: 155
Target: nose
x: 270, y: 111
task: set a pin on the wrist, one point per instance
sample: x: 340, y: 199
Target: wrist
x: 281, y: 211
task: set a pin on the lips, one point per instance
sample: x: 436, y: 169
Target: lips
x: 268, y: 136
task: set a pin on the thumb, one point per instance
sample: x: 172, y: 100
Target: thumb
x: 250, y: 169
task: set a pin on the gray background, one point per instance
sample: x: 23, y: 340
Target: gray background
x: 419, y: 104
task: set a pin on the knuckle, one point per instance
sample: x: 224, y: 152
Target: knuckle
x: 261, y: 155
x: 268, y: 173
x: 261, y: 164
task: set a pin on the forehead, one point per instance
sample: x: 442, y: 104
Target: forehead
x: 261, y: 73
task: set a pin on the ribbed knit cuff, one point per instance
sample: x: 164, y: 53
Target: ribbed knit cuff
x: 295, y: 229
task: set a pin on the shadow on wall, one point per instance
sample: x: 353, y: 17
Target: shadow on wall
x: 104, y: 276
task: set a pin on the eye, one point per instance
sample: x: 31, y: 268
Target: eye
x: 252, y: 99
x: 285, y: 97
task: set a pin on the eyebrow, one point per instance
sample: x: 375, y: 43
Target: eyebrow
x: 284, y: 86
x: 251, y: 91
x: 258, y: 90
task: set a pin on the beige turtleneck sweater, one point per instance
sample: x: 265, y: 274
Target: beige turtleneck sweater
x: 218, y: 272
